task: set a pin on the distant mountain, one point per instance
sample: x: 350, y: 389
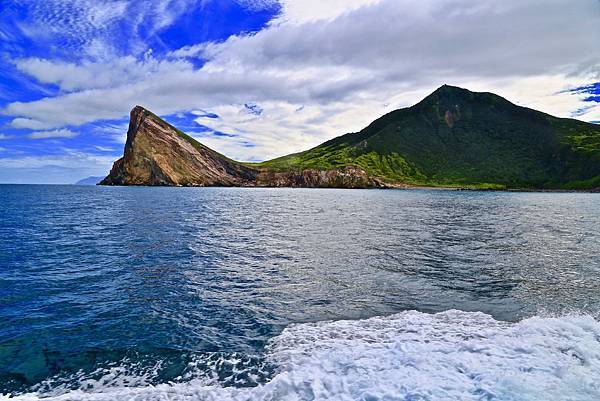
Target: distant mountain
x: 89, y: 181
x: 453, y: 137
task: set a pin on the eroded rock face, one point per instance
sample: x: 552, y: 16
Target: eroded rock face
x: 156, y: 153
x: 350, y: 177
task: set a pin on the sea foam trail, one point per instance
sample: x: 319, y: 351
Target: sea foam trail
x: 451, y: 355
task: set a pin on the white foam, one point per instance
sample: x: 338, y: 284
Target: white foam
x: 409, y: 356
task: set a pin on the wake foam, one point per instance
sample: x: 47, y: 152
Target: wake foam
x: 451, y: 355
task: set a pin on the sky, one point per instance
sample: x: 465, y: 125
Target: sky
x: 257, y: 79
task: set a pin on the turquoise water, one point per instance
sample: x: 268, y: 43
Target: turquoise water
x: 209, y: 293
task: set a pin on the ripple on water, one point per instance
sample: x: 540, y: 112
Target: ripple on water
x: 93, y: 276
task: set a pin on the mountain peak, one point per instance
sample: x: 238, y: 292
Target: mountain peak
x: 139, y: 113
x: 449, y: 91
x: 137, y: 109
x: 446, y: 88
x: 157, y: 153
x: 449, y: 97
x: 136, y: 112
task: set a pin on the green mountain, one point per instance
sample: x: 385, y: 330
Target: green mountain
x: 453, y: 137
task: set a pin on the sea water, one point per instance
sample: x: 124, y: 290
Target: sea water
x: 298, y: 294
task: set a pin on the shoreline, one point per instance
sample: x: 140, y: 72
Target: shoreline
x: 546, y: 190
x: 389, y: 186
x: 386, y: 187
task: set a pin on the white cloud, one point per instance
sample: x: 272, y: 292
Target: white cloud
x: 58, y: 133
x: 282, y: 127
x: 104, y: 148
x: 100, y: 14
x: 398, y: 40
x: 164, y: 94
x: 5, y: 136
x: 90, y: 75
x: 74, y: 21
x: 325, y: 68
x: 298, y: 12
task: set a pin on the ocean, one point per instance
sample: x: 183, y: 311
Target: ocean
x: 135, y: 293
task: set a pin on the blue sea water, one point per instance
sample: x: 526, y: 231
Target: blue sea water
x: 114, y: 293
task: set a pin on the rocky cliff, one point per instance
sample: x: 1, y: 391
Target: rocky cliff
x: 347, y: 177
x: 156, y: 153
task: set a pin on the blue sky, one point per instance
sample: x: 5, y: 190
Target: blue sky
x: 257, y: 79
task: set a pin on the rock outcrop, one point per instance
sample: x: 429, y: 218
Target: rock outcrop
x: 158, y: 154
x: 348, y: 177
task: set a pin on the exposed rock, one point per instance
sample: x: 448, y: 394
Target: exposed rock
x: 349, y: 177
x: 156, y: 153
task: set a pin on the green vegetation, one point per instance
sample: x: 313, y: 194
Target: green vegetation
x: 458, y: 138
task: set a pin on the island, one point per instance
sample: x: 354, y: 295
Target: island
x: 453, y: 138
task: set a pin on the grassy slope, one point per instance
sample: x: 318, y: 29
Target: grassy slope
x: 459, y: 138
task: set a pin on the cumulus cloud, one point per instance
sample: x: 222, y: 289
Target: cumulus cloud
x: 58, y: 133
x: 164, y: 94
x: 398, y: 40
x: 313, y: 10
x: 281, y: 127
x: 331, y: 68
x: 91, y: 75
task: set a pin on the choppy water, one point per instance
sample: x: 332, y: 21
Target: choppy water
x: 297, y: 294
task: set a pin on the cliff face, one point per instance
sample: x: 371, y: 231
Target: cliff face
x: 348, y: 177
x: 157, y: 153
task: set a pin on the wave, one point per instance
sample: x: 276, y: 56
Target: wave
x: 451, y: 355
